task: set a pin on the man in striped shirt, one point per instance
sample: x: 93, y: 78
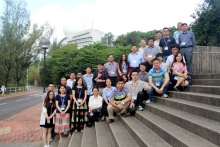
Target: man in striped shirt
x: 158, y: 80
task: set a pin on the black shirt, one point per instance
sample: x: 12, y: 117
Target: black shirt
x: 167, y: 42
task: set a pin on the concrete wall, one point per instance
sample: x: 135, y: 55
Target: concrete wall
x: 206, y: 60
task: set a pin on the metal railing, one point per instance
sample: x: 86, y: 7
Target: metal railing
x: 16, y: 89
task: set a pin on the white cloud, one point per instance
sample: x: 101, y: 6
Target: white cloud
x: 119, y: 16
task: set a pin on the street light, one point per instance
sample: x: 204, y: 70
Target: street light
x: 44, y: 44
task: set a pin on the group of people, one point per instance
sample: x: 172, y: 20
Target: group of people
x: 119, y: 87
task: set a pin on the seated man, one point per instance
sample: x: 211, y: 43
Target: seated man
x: 160, y: 57
x: 143, y: 75
x: 120, y: 101
x: 136, y: 88
x: 158, y: 80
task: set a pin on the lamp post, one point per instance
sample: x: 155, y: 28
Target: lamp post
x: 44, y: 44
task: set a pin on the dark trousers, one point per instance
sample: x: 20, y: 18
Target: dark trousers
x: 188, y: 55
x: 148, y: 66
x: 140, y: 97
x: 96, y: 114
x: 113, y: 80
x: 104, y: 109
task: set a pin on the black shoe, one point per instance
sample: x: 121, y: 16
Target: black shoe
x: 175, y: 89
x: 96, y: 120
x: 89, y: 125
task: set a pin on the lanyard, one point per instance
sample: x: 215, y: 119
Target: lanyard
x: 79, y: 93
x: 62, y: 100
x: 165, y: 40
x: 124, y: 66
x: 184, y: 37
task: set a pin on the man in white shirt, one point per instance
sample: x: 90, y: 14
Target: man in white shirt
x: 71, y: 80
x: 175, y: 49
x: 158, y: 36
x: 143, y: 46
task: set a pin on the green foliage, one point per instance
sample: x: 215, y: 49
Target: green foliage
x: 68, y: 58
x: 135, y: 37
x: 206, y: 26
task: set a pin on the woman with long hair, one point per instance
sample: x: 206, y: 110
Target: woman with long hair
x: 80, y: 109
x: 180, y: 76
x: 47, y: 117
x: 63, y: 114
x: 123, y: 66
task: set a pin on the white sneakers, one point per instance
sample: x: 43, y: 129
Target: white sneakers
x: 148, y: 102
x: 165, y: 96
x: 140, y: 108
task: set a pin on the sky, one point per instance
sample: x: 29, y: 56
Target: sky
x: 116, y: 16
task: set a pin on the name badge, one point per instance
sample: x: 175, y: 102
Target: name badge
x: 169, y: 40
x: 124, y: 71
x: 176, y: 78
x: 166, y: 48
x: 149, y: 56
x: 134, y: 97
x: 112, y: 72
x: 79, y: 100
x: 157, y: 84
x: 134, y: 61
x: 183, y: 43
x: 63, y: 107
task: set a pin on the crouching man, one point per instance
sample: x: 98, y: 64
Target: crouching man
x: 120, y: 101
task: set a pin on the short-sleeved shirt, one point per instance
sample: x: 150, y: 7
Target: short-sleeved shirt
x: 62, y: 100
x: 119, y: 96
x: 176, y: 35
x: 143, y: 76
x: 157, y: 76
x: 163, y: 65
x: 135, y: 89
x: 179, y: 68
x: 135, y: 59
x: 89, y: 82
x: 95, y: 102
x: 79, y: 92
x: 70, y: 83
x: 166, y: 42
x: 150, y: 52
x: 170, y: 60
x: 68, y: 90
x: 111, y: 69
x: 103, y: 77
x: 107, y: 92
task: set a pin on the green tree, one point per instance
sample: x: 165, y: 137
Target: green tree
x: 206, y: 26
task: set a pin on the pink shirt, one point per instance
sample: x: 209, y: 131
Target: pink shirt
x: 179, y: 67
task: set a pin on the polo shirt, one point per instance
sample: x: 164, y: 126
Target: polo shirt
x: 143, y: 76
x: 107, y: 92
x: 111, y: 69
x: 167, y: 42
x: 119, y: 96
x: 89, y: 82
x: 150, y: 52
x: 134, y: 89
x: 157, y: 77
x: 135, y: 59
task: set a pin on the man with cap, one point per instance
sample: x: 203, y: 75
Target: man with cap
x: 89, y: 82
x: 99, y: 77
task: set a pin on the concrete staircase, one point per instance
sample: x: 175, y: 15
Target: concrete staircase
x: 186, y: 119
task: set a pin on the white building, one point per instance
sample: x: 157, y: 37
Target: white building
x: 86, y: 37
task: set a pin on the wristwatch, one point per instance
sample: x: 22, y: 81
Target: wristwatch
x: 123, y: 102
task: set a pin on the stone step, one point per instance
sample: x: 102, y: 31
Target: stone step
x: 76, y: 140
x: 204, y: 110
x: 64, y: 142
x: 173, y: 134
x: 89, y: 137
x: 202, y: 127
x: 205, y: 89
x: 55, y: 143
x: 210, y: 99
x: 206, y: 76
x: 214, y: 82
x: 121, y: 136
x: 142, y: 134
x: 103, y: 135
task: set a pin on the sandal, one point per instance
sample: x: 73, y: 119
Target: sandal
x: 59, y: 141
x: 69, y: 136
x: 75, y: 131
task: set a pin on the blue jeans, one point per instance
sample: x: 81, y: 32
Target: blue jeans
x: 165, y: 58
x: 152, y: 90
x: 96, y: 114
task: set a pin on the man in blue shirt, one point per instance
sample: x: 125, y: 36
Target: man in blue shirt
x: 187, y: 42
x: 89, y: 82
x: 165, y: 44
x: 135, y: 58
x: 178, y: 32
